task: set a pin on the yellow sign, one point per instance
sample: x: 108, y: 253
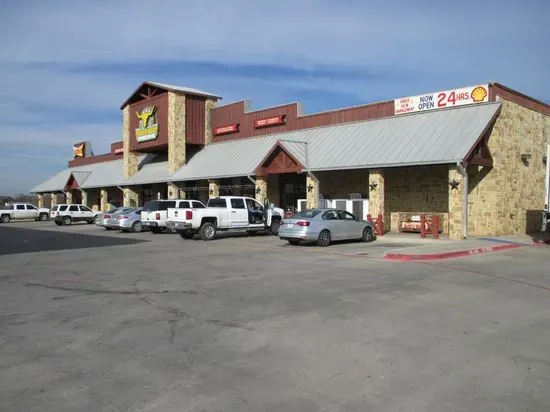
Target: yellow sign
x: 148, y: 128
x: 78, y: 150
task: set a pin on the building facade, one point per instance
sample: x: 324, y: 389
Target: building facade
x: 475, y: 156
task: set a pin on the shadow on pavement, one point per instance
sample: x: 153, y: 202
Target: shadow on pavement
x: 17, y: 240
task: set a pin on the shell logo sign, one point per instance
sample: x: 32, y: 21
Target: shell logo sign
x: 443, y: 99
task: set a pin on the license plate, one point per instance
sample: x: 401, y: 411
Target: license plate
x: 289, y: 225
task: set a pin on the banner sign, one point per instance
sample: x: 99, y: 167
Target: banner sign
x: 443, y: 99
x: 269, y: 121
x: 231, y: 128
x: 148, y: 128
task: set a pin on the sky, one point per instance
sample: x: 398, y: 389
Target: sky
x: 67, y: 66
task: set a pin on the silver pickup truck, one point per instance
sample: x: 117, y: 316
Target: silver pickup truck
x: 22, y: 211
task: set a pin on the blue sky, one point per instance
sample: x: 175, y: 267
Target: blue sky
x: 66, y: 66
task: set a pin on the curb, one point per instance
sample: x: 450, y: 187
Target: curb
x: 408, y: 257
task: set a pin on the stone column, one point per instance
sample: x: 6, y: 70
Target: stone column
x: 377, y: 197
x: 261, y: 189
x: 69, y: 197
x: 174, y: 192
x: 54, y: 199
x: 40, y: 200
x: 312, y: 191
x: 104, y: 206
x: 209, y: 105
x: 131, y: 196
x: 130, y: 158
x: 213, y: 188
x: 84, y: 197
x: 456, y: 205
x: 176, y: 131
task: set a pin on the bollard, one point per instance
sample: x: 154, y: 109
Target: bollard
x: 380, y: 224
x: 422, y: 226
x: 435, y: 227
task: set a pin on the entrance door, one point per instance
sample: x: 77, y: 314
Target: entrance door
x: 291, y: 193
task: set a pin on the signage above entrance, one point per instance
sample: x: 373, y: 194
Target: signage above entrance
x: 148, y: 128
x: 270, y: 121
x: 443, y: 99
x: 230, y: 128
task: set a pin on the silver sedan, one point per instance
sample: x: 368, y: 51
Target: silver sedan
x: 324, y: 226
x: 130, y: 221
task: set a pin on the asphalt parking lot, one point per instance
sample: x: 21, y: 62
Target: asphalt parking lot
x: 247, y: 323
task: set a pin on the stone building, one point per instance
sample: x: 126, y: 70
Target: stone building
x: 475, y: 156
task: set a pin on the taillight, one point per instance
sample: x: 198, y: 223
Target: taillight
x: 302, y: 223
x: 122, y: 217
x: 107, y: 216
x: 188, y: 214
x: 57, y: 213
x: 157, y: 216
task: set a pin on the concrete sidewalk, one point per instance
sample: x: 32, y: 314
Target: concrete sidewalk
x: 437, y: 249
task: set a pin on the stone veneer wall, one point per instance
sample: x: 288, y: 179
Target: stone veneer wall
x: 509, y: 198
x: 176, y: 131
x: 130, y: 158
x: 338, y: 184
x: 209, y: 105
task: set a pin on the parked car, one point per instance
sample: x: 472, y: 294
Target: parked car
x: 22, y: 211
x: 68, y: 213
x: 224, y: 213
x: 131, y: 221
x: 53, y: 211
x: 107, y: 219
x: 155, y: 212
x: 324, y: 226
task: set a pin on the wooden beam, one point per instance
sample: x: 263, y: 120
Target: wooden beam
x: 481, y: 161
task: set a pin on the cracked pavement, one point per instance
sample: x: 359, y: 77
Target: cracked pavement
x: 249, y: 324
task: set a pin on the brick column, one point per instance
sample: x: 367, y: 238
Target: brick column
x: 84, y: 197
x: 131, y: 196
x: 261, y: 184
x: 312, y: 191
x: 456, y: 205
x: 40, y: 200
x: 176, y: 131
x: 213, y: 188
x: 69, y: 197
x: 377, y: 197
x: 104, y: 206
x: 130, y: 158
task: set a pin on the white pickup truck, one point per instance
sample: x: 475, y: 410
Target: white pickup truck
x: 23, y: 211
x: 225, y: 213
x: 155, y: 212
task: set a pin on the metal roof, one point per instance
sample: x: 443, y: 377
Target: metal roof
x: 80, y: 177
x: 436, y: 137
x: 150, y: 173
x: 172, y: 88
x: 55, y: 183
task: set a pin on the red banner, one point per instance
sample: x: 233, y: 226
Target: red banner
x: 231, y: 128
x: 269, y: 121
x: 119, y: 150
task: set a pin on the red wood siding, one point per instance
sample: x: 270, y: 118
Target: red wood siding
x: 194, y: 119
x: 161, y: 102
x: 236, y: 113
x: 496, y: 89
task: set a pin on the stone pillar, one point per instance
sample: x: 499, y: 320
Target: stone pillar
x: 261, y: 189
x: 213, y: 188
x: 312, y: 191
x: 209, y: 105
x: 69, y: 197
x: 456, y: 205
x: 84, y: 197
x: 54, y: 199
x: 40, y: 200
x: 131, y: 164
x: 104, y: 206
x: 377, y: 197
x: 131, y: 196
x: 176, y: 131
x: 174, y: 192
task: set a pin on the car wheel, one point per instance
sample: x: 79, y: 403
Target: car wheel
x: 43, y: 217
x: 5, y: 219
x: 66, y: 220
x: 58, y: 223
x: 108, y: 228
x: 207, y: 231
x: 186, y: 235
x: 96, y: 219
x: 324, y: 238
x: 137, y: 228
x: 275, y: 226
x: 156, y: 230
x: 293, y: 241
x: 368, y: 234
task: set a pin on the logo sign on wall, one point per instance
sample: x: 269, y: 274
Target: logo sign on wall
x: 443, y: 99
x: 78, y: 150
x: 231, y: 128
x: 270, y: 121
x: 148, y: 128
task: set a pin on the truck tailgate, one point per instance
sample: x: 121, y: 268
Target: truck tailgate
x: 180, y: 215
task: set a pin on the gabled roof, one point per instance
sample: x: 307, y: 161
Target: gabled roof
x: 436, y: 137
x: 170, y: 88
x: 80, y: 176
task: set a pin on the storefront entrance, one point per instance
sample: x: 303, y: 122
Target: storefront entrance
x: 292, y: 189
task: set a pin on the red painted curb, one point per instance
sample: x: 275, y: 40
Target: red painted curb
x: 405, y: 257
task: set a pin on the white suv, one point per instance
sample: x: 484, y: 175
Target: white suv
x: 67, y: 214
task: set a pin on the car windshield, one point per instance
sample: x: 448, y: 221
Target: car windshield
x: 113, y: 210
x: 154, y: 205
x: 55, y: 207
x: 306, y: 214
x: 217, y: 202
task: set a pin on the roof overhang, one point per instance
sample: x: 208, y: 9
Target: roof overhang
x: 279, y: 159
